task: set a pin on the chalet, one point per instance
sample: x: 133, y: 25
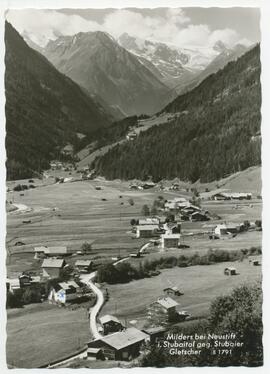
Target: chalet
x: 198, y: 216
x: 163, y: 310
x: 169, y: 240
x: 65, y: 292
x: 110, y: 324
x: 221, y: 230
x: 172, y: 291
x: 230, y: 271
x: 147, y: 185
x: 147, y: 231
x: 44, y: 251
x: 122, y: 345
x: 84, y: 266
x: 51, y: 267
x: 155, y: 333
x: 255, y: 262
x: 131, y: 136
x: 232, y: 228
x: 231, y: 196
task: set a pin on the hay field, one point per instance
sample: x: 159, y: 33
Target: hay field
x: 200, y: 285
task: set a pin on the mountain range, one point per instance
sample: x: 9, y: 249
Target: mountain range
x: 181, y: 68
x: 99, y: 64
x: 44, y: 109
x: 214, y: 131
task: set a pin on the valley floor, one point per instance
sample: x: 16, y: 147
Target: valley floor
x: 73, y: 213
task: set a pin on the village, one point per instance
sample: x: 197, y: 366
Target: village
x: 56, y: 253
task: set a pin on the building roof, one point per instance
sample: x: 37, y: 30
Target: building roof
x: 68, y: 285
x: 108, y: 318
x: 174, y: 288
x: 170, y: 236
x: 83, y: 262
x: 154, y: 330
x: 93, y: 350
x: 147, y: 227
x: 125, y: 338
x: 148, y: 221
x: 52, y: 263
x: 167, y: 302
x: 40, y: 249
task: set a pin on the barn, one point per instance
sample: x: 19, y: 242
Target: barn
x: 123, y: 345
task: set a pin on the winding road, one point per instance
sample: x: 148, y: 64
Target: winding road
x: 93, y: 312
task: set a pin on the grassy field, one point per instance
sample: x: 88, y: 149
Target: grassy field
x: 72, y: 213
x: 41, y: 333
x: 200, y: 285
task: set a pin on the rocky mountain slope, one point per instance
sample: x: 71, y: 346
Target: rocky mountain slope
x: 99, y: 64
x: 181, y: 68
x: 44, y: 109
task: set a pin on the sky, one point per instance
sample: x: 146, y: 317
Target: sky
x: 182, y: 27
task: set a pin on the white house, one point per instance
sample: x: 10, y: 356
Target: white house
x: 221, y: 230
x: 146, y: 231
x: 169, y: 240
x: 64, y: 292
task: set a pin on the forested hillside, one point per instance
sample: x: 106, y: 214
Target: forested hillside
x: 216, y: 133
x: 44, y: 109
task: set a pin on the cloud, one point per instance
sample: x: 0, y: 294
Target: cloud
x: 173, y: 26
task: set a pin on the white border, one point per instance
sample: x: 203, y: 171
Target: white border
x: 265, y: 58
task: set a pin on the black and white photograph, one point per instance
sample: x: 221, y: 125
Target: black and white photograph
x: 133, y: 188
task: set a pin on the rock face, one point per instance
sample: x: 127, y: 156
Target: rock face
x: 99, y: 64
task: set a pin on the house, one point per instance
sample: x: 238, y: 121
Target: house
x: 232, y: 196
x: 255, y: 262
x: 146, y: 231
x: 155, y: 333
x: 147, y: 185
x: 172, y: 291
x: 123, y: 345
x: 131, y: 136
x: 221, y: 230
x: 110, y: 324
x: 163, y: 310
x: 65, y: 292
x: 230, y: 271
x: 232, y: 228
x: 51, y: 267
x: 169, y: 240
x: 44, y: 251
x: 84, y: 266
x: 198, y: 216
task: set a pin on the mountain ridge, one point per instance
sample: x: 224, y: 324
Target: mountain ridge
x: 44, y: 108
x: 99, y: 64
